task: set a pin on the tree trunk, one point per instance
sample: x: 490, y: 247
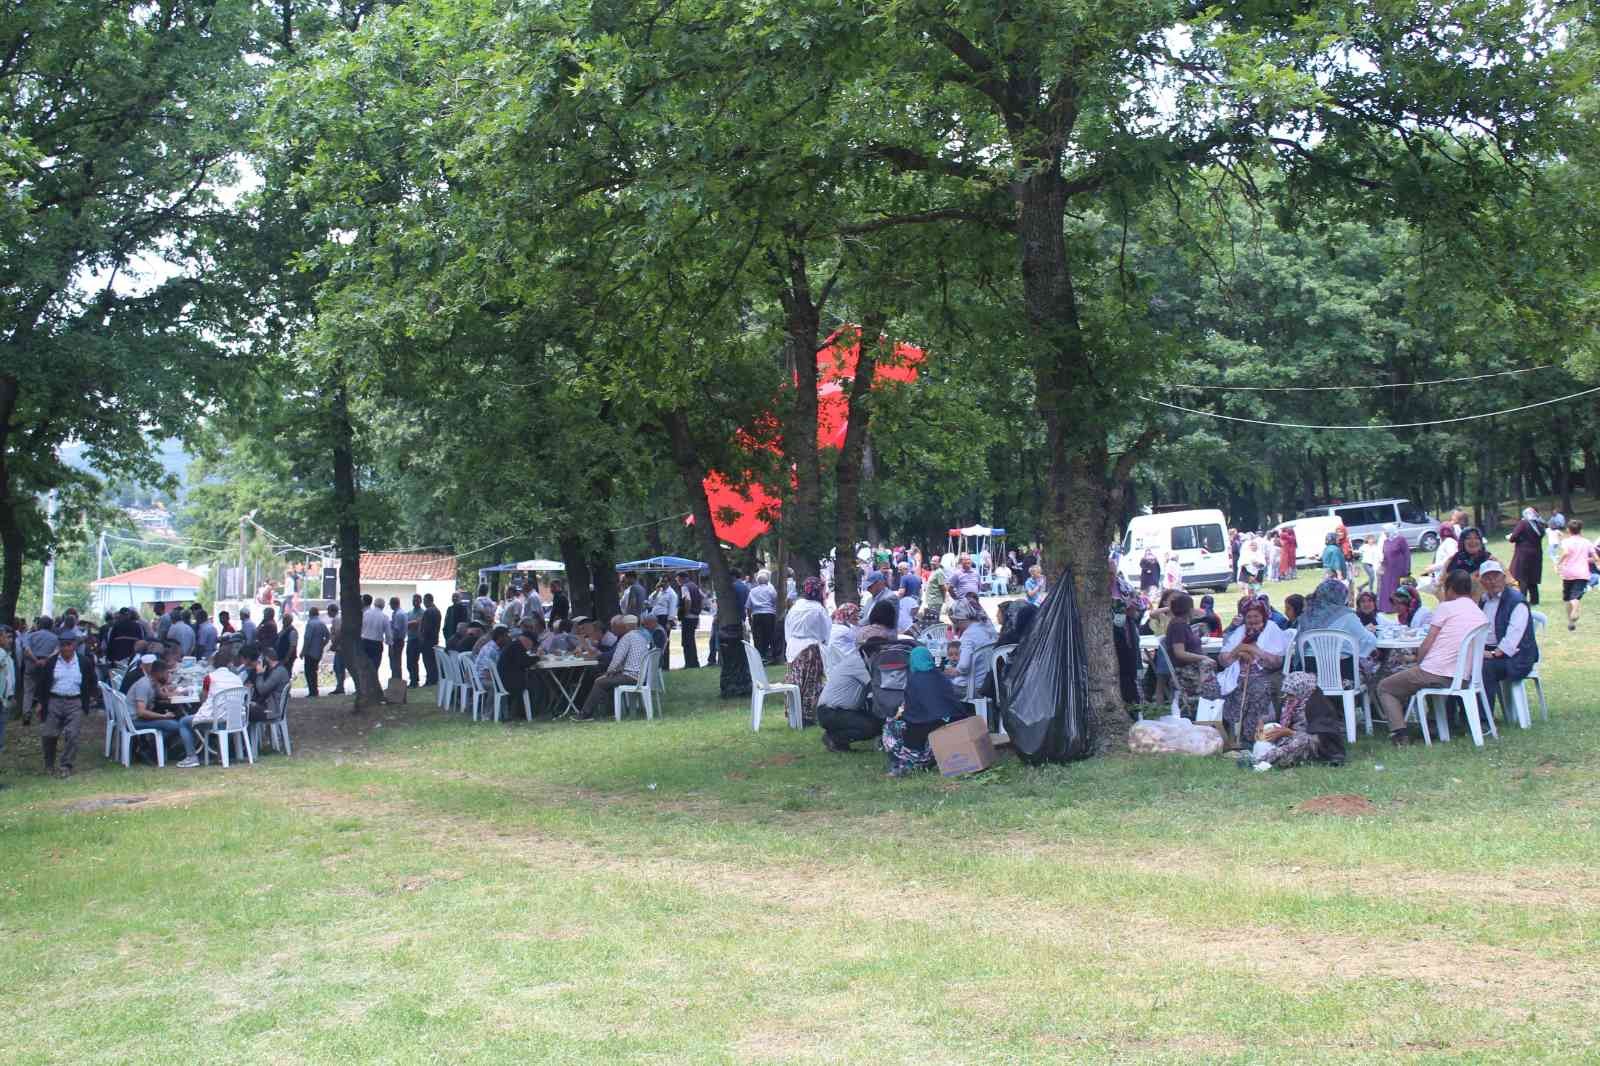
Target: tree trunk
x: 603, y: 576
x: 869, y: 473
x: 693, y: 472
x: 1083, y: 492
x: 802, y: 516
x: 367, y: 694
x: 1591, y: 470
x: 12, y: 541
x: 580, y: 582
x: 847, y: 486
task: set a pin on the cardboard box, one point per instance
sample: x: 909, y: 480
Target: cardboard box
x: 962, y: 747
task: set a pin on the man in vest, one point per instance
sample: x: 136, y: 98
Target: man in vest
x: 62, y: 684
x: 1511, y: 652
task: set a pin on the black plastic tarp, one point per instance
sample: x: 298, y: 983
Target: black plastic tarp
x: 1047, y: 680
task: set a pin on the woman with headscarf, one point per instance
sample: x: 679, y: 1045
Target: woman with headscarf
x: 881, y: 627
x: 1252, y: 562
x: 1527, y: 558
x: 1287, y: 548
x: 1308, y: 729
x: 1208, y: 615
x: 841, y: 631
x: 805, y: 631
x: 1410, y: 612
x: 1472, y: 553
x: 1252, y: 658
x: 1328, y: 607
x: 1334, y: 564
x: 1367, y: 609
x: 1396, y: 562
x: 1149, y: 571
x: 929, y: 704
x: 1172, y: 574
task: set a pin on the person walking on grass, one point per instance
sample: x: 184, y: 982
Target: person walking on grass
x: 61, y: 690
x: 1577, y: 555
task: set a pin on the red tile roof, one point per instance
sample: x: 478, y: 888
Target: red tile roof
x: 407, y: 566
x: 160, y: 576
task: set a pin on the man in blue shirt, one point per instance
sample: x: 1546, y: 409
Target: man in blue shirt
x: 741, y: 594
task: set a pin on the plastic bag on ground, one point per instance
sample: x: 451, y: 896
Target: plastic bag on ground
x: 1173, y: 736
x: 1047, y: 680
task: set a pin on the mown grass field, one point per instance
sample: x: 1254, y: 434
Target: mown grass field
x: 685, y: 891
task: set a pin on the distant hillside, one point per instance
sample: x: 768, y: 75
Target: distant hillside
x: 173, y: 459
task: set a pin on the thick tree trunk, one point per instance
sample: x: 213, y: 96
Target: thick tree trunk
x: 847, y: 484
x: 603, y: 576
x: 802, y: 515
x: 12, y: 542
x: 1083, y: 492
x: 869, y: 473
x: 693, y: 472
x: 580, y: 582
x: 362, y: 671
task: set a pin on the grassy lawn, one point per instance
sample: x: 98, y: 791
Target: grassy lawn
x: 685, y: 891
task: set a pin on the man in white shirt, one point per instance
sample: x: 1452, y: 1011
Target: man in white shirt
x: 374, y: 628
x: 627, y: 664
x: 62, y: 684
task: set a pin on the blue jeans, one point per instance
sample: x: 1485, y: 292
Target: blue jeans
x: 168, y: 726
x: 338, y: 670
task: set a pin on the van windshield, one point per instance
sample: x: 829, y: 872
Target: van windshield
x: 1209, y: 537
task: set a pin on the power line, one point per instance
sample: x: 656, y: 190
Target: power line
x: 1391, y: 425
x: 1351, y: 388
x: 652, y: 522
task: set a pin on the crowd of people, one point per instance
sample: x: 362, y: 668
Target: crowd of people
x: 1363, y: 587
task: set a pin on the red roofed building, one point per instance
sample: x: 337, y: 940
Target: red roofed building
x: 144, y: 587
x: 405, y: 574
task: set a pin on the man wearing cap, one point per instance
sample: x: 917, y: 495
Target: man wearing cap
x: 878, y: 589
x: 625, y: 668
x: 140, y: 667
x: 62, y: 685
x: 1511, y: 652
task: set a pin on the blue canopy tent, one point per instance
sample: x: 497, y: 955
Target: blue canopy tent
x: 660, y: 564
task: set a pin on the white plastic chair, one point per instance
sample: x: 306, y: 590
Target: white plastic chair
x: 936, y: 638
x: 645, y: 689
x: 276, y: 731
x: 497, y: 692
x: 1330, y: 647
x: 1466, y: 684
x: 230, y: 719
x: 128, y: 729
x: 108, y: 696
x: 1520, y: 688
x: 461, y: 681
x: 447, y: 677
x: 761, y: 688
x: 474, y: 692
x: 980, y: 704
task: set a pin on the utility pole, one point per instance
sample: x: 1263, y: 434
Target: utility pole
x: 100, y: 557
x: 50, y: 563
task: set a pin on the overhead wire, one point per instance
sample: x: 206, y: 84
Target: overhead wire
x: 1389, y: 425
x: 1350, y: 388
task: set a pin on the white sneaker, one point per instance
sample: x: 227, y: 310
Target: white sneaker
x: 191, y: 761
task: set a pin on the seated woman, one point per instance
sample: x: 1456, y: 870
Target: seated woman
x: 1195, y: 675
x: 1208, y: 615
x: 1327, y: 608
x: 929, y: 704
x: 1293, y: 607
x: 1410, y: 612
x: 881, y: 625
x: 842, y: 627
x: 1252, y: 661
x: 805, y: 631
x: 1367, y: 609
x: 976, y: 632
x: 1308, y: 728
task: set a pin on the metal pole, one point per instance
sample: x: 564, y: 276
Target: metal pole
x: 50, y: 563
x: 243, y: 523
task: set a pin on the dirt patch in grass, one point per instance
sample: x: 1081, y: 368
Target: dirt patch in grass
x: 1345, y: 804
x: 182, y: 797
x: 781, y: 759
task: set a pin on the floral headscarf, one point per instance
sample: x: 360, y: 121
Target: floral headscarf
x: 812, y: 589
x: 1465, y: 560
x: 848, y: 614
x: 1326, y: 605
x: 1298, y: 688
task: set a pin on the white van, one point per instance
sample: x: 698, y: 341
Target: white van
x: 1311, y: 536
x: 1200, y: 539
